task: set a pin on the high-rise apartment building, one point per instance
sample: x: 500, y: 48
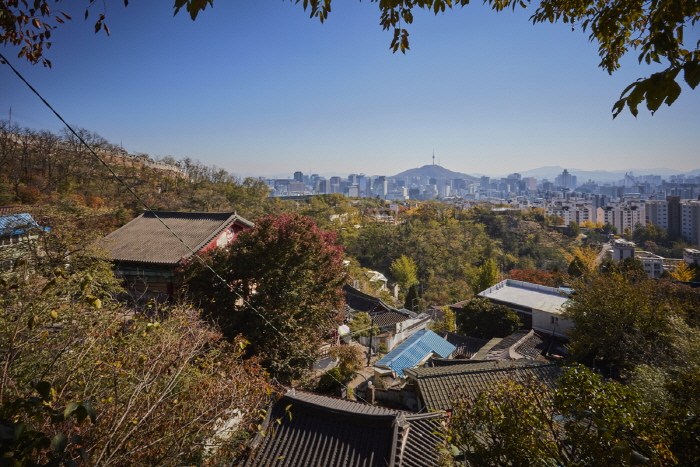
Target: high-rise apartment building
x: 380, y: 187
x: 656, y: 213
x: 578, y: 211
x: 690, y: 222
x: 674, y: 216
x: 679, y: 218
x: 530, y: 183
x: 624, y: 215
x: 566, y: 180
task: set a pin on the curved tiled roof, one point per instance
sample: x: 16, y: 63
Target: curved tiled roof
x: 466, y: 346
x: 534, y: 346
x: 501, y: 351
x: 147, y: 240
x: 326, y: 431
x: 389, y: 318
x: 438, y: 385
x: 360, y: 301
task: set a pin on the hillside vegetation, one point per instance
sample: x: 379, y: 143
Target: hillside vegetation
x: 50, y: 171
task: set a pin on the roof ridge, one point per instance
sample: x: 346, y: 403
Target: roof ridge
x: 464, y: 369
x: 224, y: 223
x: 354, y: 291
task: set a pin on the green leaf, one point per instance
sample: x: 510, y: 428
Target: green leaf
x: 81, y: 414
x: 44, y: 390
x: 70, y: 408
x: 93, y: 301
x: 90, y: 411
x: 674, y: 90
x: 19, y: 428
x: 59, y: 443
x: 83, y: 455
x: 691, y: 73
x: 636, y: 458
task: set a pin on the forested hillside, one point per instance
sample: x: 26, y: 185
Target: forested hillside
x: 447, y: 243
x: 43, y: 168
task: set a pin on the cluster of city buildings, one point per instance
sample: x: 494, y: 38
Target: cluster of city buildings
x: 654, y: 265
x: 673, y: 204
x: 512, y: 187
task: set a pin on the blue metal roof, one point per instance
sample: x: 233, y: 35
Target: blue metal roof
x: 15, y: 224
x: 415, y: 349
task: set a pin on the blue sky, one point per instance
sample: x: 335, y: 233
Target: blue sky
x: 259, y: 88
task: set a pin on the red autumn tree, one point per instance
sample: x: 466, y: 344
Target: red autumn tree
x: 282, y: 283
x: 536, y: 276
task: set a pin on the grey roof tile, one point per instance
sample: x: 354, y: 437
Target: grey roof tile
x: 438, y: 385
x: 466, y: 346
x: 389, y: 318
x: 360, y: 301
x: 147, y: 240
x: 534, y: 346
x: 330, y: 432
x: 501, y: 351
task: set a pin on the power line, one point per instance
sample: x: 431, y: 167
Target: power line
x: 194, y: 253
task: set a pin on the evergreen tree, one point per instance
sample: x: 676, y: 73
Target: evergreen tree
x: 413, y: 301
x: 481, y: 318
x: 485, y: 277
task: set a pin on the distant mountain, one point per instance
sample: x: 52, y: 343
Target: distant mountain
x: 434, y: 171
x: 550, y: 172
x: 290, y: 175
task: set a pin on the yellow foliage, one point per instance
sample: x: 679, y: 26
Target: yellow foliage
x: 587, y: 258
x: 682, y: 272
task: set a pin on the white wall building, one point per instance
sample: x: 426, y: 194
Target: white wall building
x: 691, y: 256
x: 538, y: 307
x: 624, y: 215
x: 622, y: 249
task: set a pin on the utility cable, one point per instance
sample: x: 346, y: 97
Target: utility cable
x: 147, y: 208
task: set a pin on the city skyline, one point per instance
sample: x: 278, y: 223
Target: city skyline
x: 227, y: 91
x: 539, y: 172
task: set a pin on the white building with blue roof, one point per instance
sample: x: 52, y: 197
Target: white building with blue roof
x: 414, y: 351
x: 13, y: 226
x: 16, y: 231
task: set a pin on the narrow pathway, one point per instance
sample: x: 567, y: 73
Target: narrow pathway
x: 604, y: 249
